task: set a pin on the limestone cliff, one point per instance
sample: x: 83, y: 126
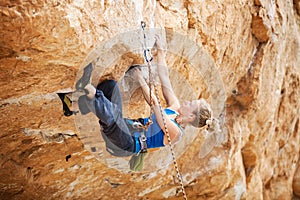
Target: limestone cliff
x: 243, y: 56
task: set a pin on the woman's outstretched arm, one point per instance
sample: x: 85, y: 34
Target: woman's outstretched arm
x: 163, y: 73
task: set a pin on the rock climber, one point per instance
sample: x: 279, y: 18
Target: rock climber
x: 106, y: 103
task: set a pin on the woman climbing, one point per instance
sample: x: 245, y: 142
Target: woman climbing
x: 118, y: 132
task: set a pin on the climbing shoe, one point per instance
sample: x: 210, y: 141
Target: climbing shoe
x: 67, y: 104
x: 86, y: 77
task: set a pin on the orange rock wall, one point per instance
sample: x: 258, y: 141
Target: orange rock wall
x: 255, y: 47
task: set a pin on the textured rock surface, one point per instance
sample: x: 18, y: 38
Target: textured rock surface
x: 254, y: 45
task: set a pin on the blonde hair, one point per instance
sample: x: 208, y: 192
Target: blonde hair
x: 203, y: 113
x: 214, y: 135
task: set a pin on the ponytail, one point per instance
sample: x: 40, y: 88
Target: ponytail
x: 212, y: 132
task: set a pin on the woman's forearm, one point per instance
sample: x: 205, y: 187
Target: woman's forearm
x: 162, y: 69
x: 146, y: 92
x: 163, y: 73
x: 161, y: 57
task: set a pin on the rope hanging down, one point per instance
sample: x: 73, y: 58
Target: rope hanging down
x: 149, y: 58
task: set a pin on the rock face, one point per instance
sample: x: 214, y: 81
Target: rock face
x: 242, y: 56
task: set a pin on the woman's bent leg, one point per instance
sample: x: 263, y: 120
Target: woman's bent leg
x: 115, y: 132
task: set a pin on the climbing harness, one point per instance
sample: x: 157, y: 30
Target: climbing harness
x: 138, y: 127
x: 148, y: 59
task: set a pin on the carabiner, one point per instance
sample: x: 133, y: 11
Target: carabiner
x: 143, y: 24
x: 146, y: 53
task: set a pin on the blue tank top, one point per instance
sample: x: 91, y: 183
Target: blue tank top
x: 154, y: 134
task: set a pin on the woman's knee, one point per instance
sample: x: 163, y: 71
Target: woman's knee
x: 111, y: 91
x: 107, y: 84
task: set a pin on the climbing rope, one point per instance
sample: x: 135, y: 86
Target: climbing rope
x: 149, y: 58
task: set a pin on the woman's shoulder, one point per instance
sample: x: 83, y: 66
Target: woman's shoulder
x: 171, y: 111
x: 174, y: 107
